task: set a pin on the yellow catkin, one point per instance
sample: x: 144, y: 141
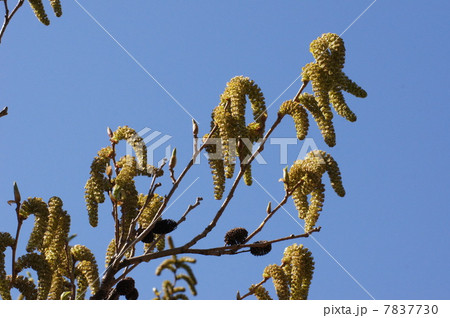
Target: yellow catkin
x: 39, y: 208
x: 351, y: 87
x: 217, y: 170
x: 87, y: 265
x: 230, y: 119
x: 260, y: 292
x: 26, y: 287
x: 327, y: 76
x: 299, y: 115
x: 129, y: 194
x: 97, y: 184
x: 236, y: 91
x: 325, y: 126
x: 82, y: 284
x: 338, y: 101
x: 39, y: 11
x: 321, y: 82
x: 306, y: 175
x: 5, y: 240
x: 280, y: 281
x: 332, y: 168
x: 148, y: 214
x: 57, y: 286
x: 227, y: 131
x: 110, y: 252
x: 301, y: 265
x: 161, y: 244
x: 56, y: 5
x: 135, y: 141
x: 315, y: 206
x: 38, y: 263
x: 55, y: 238
x: 90, y: 272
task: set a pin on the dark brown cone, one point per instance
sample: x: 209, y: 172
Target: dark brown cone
x: 236, y: 236
x: 133, y: 295
x: 125, y: 286
x: 164, y: 226
x: 260, y: 250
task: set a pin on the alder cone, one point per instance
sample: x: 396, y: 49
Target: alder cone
x: 125, y: 286
x: 164, y: 226
x: 133, y: 295
x: 236, y: 236
x: 260, y: 250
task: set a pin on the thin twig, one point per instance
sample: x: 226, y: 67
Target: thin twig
x: 9, y: 16
x: 300, y: 91
x: 288, y: 193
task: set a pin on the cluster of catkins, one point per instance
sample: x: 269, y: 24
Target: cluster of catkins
x: 122, y: 190
x: 305, y: 178
x: 122, y: 187
x: 292, y: 279
x: 39, y: 10
x: 328, y: 81
x: 57, y: 264
x: 233, y: 136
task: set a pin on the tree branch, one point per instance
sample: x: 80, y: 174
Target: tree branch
x: 9, y: 16
x: 216, y: 251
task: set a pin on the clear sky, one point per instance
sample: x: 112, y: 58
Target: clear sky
x: 386, y: 239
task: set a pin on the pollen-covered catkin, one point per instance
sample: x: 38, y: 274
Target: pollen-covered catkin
x: 280, y: 281
x: 217, y: 169
x: 5, y: 240
x: 39, y: 11
x: 135, y: 141
x: 110, y: 251
x: 39, y: 208
x: 299, y: 115
x: 315, y: 206
x: 90, y: 271
x: 321, y: 82
x: 236, y: 91
x: 301, y: 265
x: 351, y: 87
x: 82, y: 284
x: 128, y: 193
x: 227, y: 131
x: 328, y: 79
x: 332, y: 168
x: 306, y: 175
x: 38, y: 263
x: 26, y: 287
x: 338, y: 101
x: 260, y: 292
x: 55, y: 237
x: 57, y: 286
x: 148, y: 214
x: 97, y: 184
x: 87, y: 265
x: 56, y: 5
x: 326, y: 127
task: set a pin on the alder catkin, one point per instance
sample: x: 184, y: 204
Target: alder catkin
x: 39, y: 11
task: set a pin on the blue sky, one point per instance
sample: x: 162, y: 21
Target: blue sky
x: 387, y: 238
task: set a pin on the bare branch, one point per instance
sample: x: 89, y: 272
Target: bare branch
x: 9, y: 16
